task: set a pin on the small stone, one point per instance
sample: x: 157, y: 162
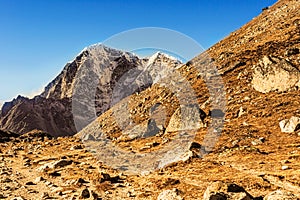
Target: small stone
x: 30, y: 183
x: 285, y: 162
x: 241, y: 112
x: 258, y: 141
x: 285, y: 167
x: 169, y: 195
x: 130, y: 194
x: 45, y: 195
x: 80, y: 181
x: 6, y: 180
x: 279, y: 195
x: 17, y: 198
x: 85, y: 193
x: 61, y: 163
x: 292, y: 51
x: 290, y: 125
x: 76, y: 147
x: 39, y: 179
x: 88, y: 137
x: 54, y: 165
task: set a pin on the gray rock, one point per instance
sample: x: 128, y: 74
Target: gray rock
x: 55, y: 164
x: 88, y: 137
x: 274, y: 74
x: 169, y: 195
x: 290, y: 125
x: 186, y: 117
x: 280, y: 195
x: 143, y: 130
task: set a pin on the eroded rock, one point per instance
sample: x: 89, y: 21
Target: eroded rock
x: 290, y: 125
x: 279, y: 195
x: 186, y: 117
x: 169, y: 195
x: 226, y: 191
x: 275, y: 74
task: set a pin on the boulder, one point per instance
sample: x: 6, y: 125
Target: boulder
x: 88, y: 137
x: 54, y: 165
x: 169, y: 195
x: 279, y: 195
x: 85, y: 194
x: 275, y: 74
x: 186, y: 117
x: 143, y: 130
x: 290, y: 125
x: 226, y: 191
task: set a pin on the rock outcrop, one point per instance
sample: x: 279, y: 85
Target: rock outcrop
x: 226, y: 191
x: 187, y: 117
x: 275, y: 74
x: 169, y: 195
x: 279, y: 195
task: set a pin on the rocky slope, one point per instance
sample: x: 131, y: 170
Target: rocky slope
x: 253, y: 158
x: 259, y: 64
x: 51, y: 111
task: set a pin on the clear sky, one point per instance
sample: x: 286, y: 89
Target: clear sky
x: 38, y: 37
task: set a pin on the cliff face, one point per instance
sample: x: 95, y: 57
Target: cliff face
x: 51, y: 111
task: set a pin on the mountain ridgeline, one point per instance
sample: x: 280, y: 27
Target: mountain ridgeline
x: 51, y: 111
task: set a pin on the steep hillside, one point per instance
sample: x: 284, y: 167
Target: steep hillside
x: 259, y: 64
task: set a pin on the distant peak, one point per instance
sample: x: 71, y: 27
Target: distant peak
x: 160, y: 54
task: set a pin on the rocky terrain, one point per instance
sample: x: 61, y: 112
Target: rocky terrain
x: 255, y: 156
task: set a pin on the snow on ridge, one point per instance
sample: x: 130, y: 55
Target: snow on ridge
x: 127, y: 54
x: 151, y: 59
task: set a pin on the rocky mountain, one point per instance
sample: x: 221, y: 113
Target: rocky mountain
x: 259, y: 65
x: 51, y: 111
x: 254, y: 155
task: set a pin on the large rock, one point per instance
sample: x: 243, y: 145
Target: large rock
x: 280, y: 195
x: 186, y: 117
x: 275, y: 74
x: 290, y: 125
x: 226, y: 191
x: 143, y: 130
x: 169, y: 195
x: 55, y: 165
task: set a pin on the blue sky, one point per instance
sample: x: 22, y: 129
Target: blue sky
x: 37, y: 37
